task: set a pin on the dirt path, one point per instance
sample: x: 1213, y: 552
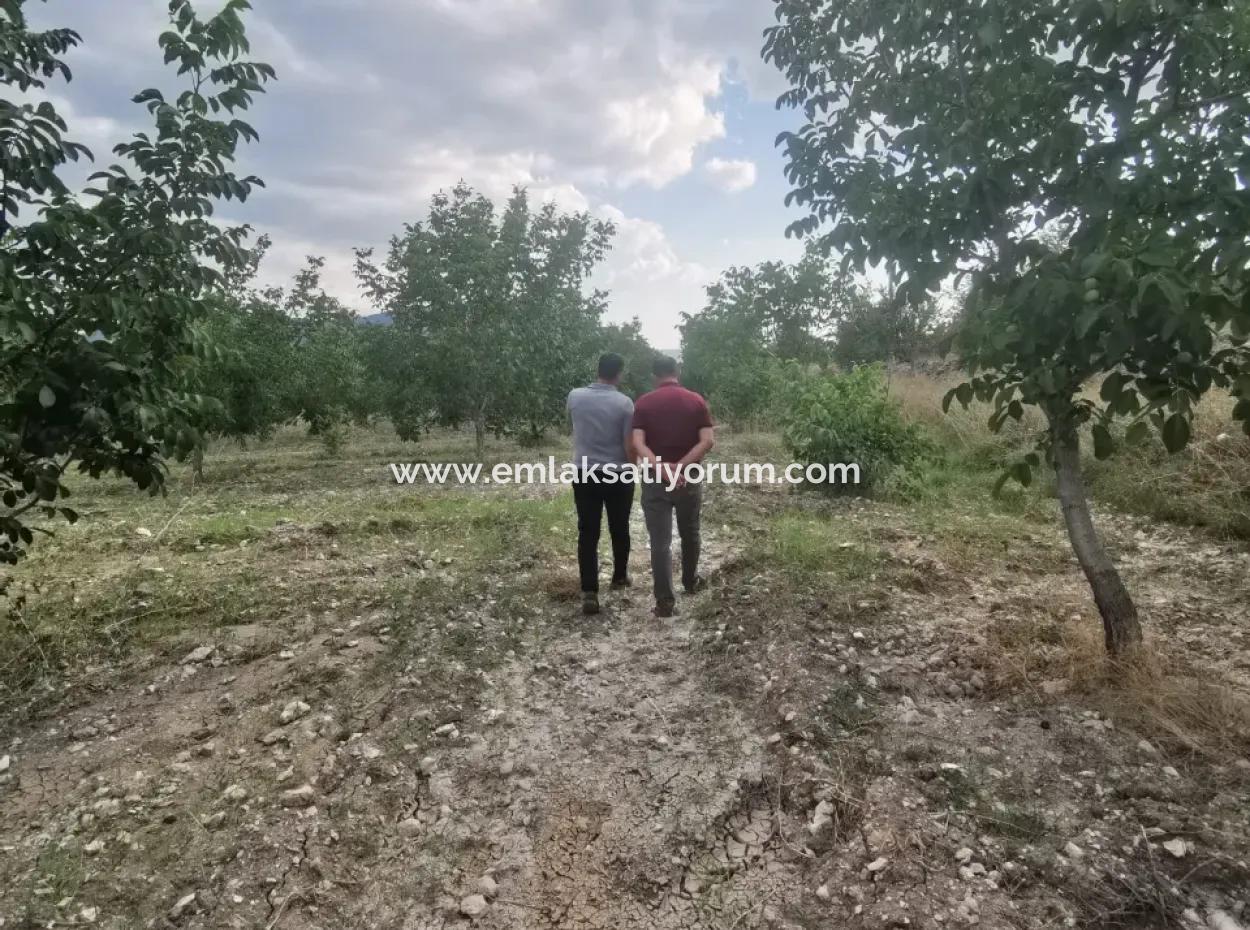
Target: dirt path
x: 778, y: 756
x: 602, y: 786
x: 610, y: 790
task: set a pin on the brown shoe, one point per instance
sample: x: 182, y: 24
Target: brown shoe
x: 663, y: 611
x: 590, y: 603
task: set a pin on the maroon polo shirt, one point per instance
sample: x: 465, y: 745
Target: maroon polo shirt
x: 671, y: 416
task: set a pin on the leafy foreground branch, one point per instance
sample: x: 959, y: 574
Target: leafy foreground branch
x: 100, y: 290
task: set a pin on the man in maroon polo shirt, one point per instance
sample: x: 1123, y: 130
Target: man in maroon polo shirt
x: 672, y: 429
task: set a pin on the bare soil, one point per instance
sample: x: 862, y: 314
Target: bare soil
x: 909, y: 744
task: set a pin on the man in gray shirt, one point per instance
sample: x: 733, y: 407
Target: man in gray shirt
x: 602, y: 422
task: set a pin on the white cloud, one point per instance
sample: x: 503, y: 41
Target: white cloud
x: 730, y: 175
x: 380, y: 103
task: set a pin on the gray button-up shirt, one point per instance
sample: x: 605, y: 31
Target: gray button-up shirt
x: 602, y: 423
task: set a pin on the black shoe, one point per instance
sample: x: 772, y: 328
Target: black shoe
x: 590, y: 603
x: 619, y: 583
x: 663, y: 611
x: 699, y: 585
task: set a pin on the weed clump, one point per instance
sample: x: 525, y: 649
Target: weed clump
x: 850, y: 418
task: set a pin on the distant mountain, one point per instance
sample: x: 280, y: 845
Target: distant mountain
x: 376, y: 319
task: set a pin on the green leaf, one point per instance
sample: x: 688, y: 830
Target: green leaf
x: 1111, y: 387
x: 1176, y: 432
x: 1104, y: 445
x: 989, y: 34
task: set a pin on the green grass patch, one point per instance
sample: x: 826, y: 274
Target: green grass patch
x: 805, y: 545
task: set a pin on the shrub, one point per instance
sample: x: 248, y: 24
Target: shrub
x: 850, y: 418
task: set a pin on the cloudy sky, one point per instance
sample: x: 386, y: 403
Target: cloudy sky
x: 657, y: 114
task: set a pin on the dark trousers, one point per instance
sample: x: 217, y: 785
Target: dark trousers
x: 592, y: 499
x: 658, y: 507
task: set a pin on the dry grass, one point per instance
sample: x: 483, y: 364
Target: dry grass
x: 1149, y: 693
x: 1206, y: 485
x: 560, y: 584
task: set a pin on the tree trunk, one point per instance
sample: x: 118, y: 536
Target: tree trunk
x: 197, y: 462
x: 1119, y: 615
x: 479, y: 437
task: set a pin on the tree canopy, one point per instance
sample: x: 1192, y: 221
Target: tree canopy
x: 1082, y: 163
x: 491, y: 310
x: 754, y: 318
x: 100, y: 289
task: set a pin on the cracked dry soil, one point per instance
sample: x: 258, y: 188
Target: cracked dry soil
x: 620, y: 772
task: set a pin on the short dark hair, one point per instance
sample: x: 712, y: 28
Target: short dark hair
x: 610, y: 366
x: 664, y: 366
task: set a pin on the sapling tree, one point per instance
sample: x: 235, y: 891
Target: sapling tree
x: 755, y: 318
x: 627, y: 340
x: 100, y: 290
x: 491, y: 309
x: 248, y: 362
x: 1084, y: 164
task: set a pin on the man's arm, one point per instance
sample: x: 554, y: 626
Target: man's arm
x: 641, y: 449
x: 707, y: 439
x: 631, y: 454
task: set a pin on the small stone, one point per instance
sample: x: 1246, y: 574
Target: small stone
x: 473, y: 905
x: 272, y: 737
x: 1222, y: 920
x: 448, y: 730
x: 184, y: 905
x: 235, y: 794
x: 823, y: 893
x: 878, y: 864
x: 1177, y: 847
x: 293, y: 711
x: 410, y: 827
x: 488, y: 886
x: 198, y: 655
x: 427, y: 765
x: 143, y: 531
x: 963, y: 854
x: 89, y: 914
x: 1072, y: 851
x: 5, y: 762
x: 303, y: 796
x: 94, y: 847
x: 774, y: 739
x: 507, y: 767
x: 1147, y: 747
x: 1171, y: 772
